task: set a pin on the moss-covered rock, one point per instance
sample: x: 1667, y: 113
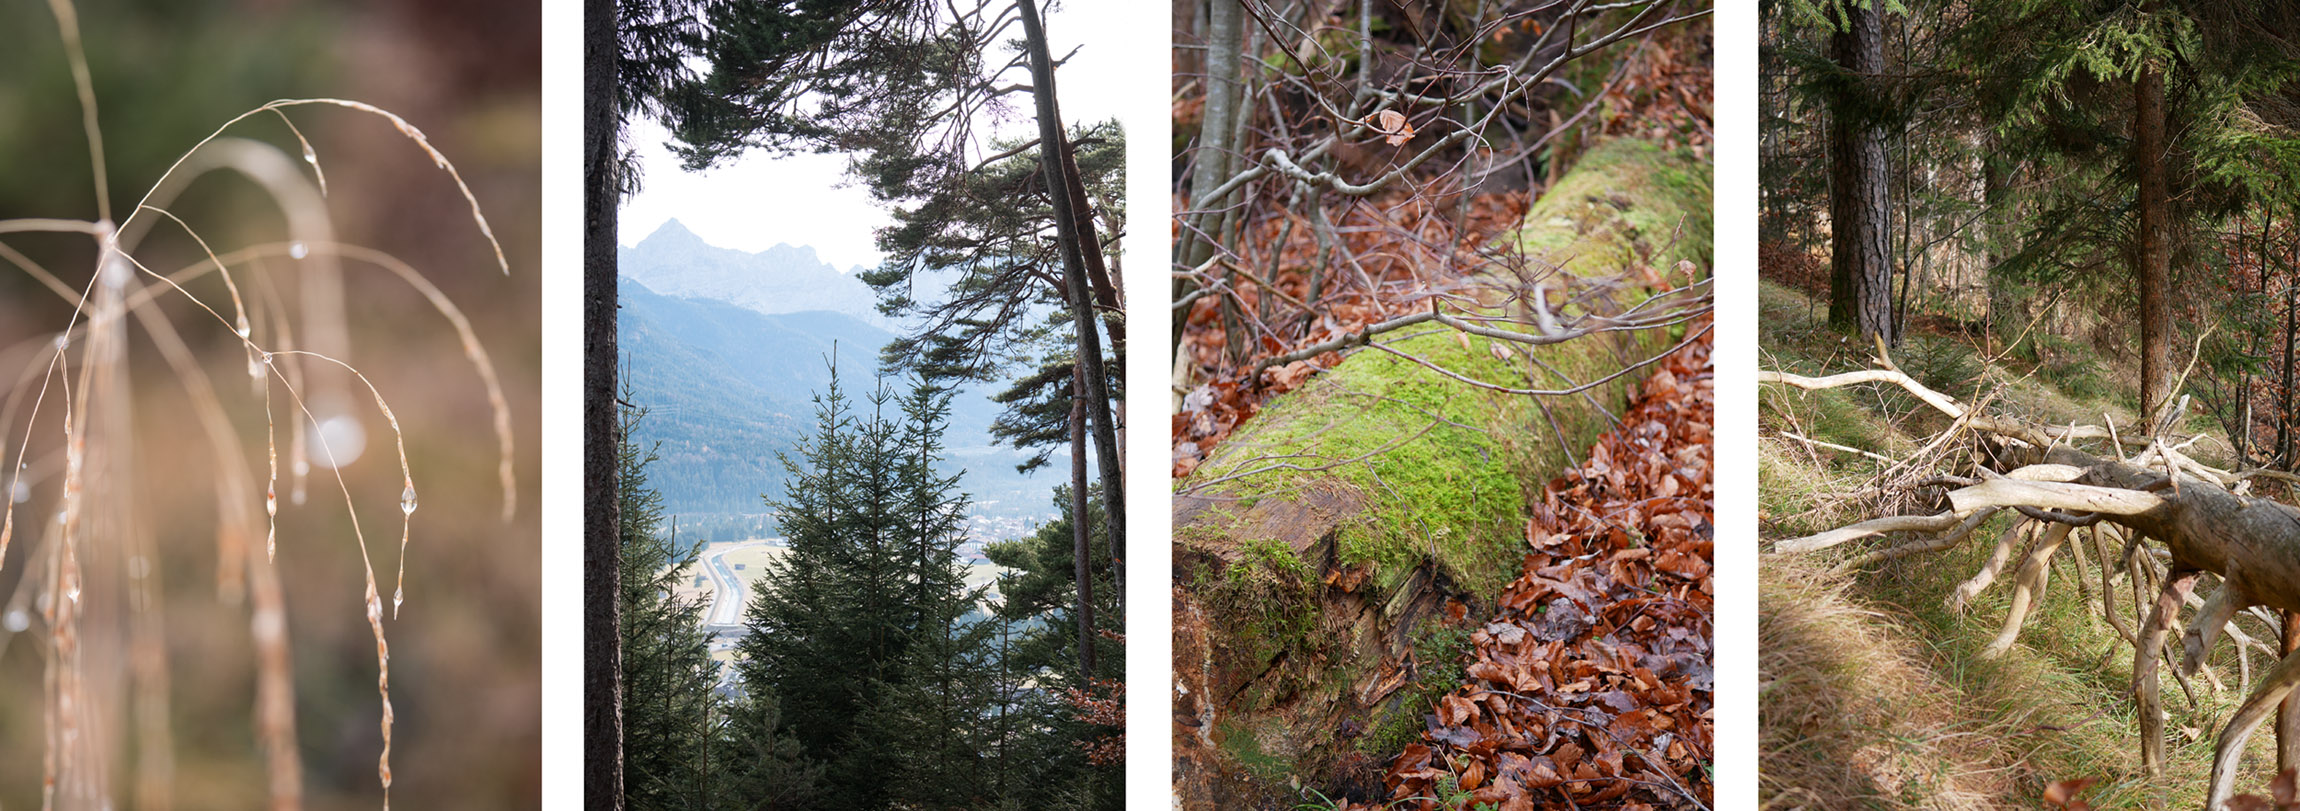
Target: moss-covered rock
x: 1317, y: 550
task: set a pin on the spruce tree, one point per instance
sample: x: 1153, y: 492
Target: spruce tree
x: 831, y: 621
x: 671, y: 717
x: 931, y: 711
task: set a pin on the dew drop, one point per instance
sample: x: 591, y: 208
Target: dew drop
x: 271, y: 501
x: 116, y: 272
x: 407, y: 500
x: 309, y: 156
x: 17, y: 620
x: 255, y: 367
x: 243, y: 328
x: 298, y: 250
x: 398, y: 596
x: 63, y: 342
x: 72, y: 592
x: 302, y: 467
x: 20, y: 493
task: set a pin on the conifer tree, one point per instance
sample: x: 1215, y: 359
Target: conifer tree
x: 1040, y: 602
x: 933, y: 710
x: 832, y: 621
x: 671, y: 715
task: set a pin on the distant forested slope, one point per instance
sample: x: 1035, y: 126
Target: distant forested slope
x: 726, y: 387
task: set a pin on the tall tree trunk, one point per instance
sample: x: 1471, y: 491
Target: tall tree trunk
x: 2284, y: 397
x: 1860, y: 213
x: 1069, y: 234
x: 1211, y: 166
x: 2152, y: 251
x: 1106, y: 299
x: 602, y: 516
x: 2242, y: 436
x: 1080, y: 550
x: 2008, y: 314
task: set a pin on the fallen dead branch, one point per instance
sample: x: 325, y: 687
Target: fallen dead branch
x: 2199, y: 514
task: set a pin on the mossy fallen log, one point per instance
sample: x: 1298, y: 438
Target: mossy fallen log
x: 1318, y: 550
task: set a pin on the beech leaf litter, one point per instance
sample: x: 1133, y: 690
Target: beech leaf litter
x: 1592, y: 687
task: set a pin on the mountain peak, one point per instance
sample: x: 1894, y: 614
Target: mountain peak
x: 802, y: 255
x: 672, y: 232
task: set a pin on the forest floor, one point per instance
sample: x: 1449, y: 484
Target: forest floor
x: 1872, y: 691
x: 1600, y: 650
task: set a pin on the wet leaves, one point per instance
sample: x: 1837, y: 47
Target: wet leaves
x: 1592, y: 686
x: 1405, y: 245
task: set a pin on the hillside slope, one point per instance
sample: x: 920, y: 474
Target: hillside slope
x: 727, y: 387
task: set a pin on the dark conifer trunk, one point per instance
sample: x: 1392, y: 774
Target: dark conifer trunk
x: 1080, y: 548
x: 2008, y: 314
x: 2284, y: 397
x: 602, y: 520
x: 2152, y: 251
x: 1860, y: 213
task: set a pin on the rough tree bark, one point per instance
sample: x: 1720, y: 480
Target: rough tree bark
x: 2152, y: 252
x: 2288, y: 716
x: 602, y: 519
x: 1860, y: 211
x: 1211, y: 165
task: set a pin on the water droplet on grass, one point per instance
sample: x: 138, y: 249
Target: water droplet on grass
x: 407, y: 500
x: 18, y: 619
x: 298, y: 250
x: 116, y: 272
x: 271, y: 501
x: 20, y: 493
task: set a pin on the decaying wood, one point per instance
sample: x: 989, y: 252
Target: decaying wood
x: 2160, y: 493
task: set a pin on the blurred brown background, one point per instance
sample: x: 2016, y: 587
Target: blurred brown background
x: 464, y: 666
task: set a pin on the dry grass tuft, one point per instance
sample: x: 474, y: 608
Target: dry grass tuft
x: 96, y: 590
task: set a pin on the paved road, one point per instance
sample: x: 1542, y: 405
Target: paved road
x: 729, y: 595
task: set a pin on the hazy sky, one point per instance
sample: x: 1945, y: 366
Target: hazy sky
x: 760, y: 200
